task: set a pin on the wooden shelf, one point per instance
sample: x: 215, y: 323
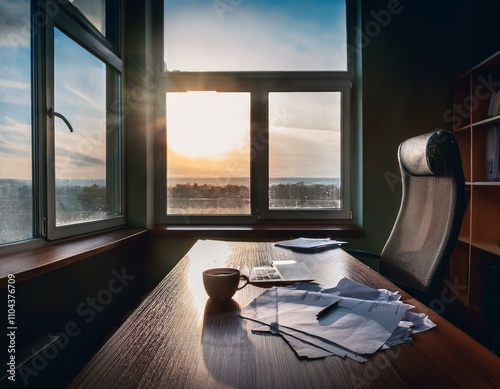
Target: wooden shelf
x: 490, y: 248
x: 479, y: 241
x: 486, y: 183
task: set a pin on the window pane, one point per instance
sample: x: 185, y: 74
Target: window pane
x: 304, y: 150
x: 94, y: 11
x: 208, y: 153
x: 16, y: 216
x: 83, y: 192
x: 255, y: 35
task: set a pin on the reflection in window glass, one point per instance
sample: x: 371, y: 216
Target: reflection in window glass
x: 304, y: 150
x: 16, y: 216
x: 94, y: 11
x: 80, y: 156
x: 255, y: 35
x: 208, y: 153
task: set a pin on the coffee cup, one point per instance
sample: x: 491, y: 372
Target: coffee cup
x: 222, y: 283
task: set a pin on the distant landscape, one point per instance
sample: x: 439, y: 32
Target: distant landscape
x: 234, y: 198
x: 78, y: 200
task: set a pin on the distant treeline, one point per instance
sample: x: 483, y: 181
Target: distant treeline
x: 195, y: 191
x: 298, y: 191
x: 91, y: 198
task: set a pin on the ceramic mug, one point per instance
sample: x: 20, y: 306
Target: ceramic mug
x: 222, y: 283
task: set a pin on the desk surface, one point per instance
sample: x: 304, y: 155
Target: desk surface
x: 177, y: 339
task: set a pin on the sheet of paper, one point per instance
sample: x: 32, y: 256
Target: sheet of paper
x: 359, y: 324
x: 308, y: 346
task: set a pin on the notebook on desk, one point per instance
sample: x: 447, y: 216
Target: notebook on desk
x: 310, y: 245
x: 280, y: 272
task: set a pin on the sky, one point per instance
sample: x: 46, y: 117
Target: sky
x: 258, y: 35
x: 199, y: 35
x: 15, y: 90
x: 79, y: 95
x: 254, y: 35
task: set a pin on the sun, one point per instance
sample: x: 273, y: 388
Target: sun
x: 207, y: 124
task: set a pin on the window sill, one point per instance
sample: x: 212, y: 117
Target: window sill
x: 33, y: 262
x: 260, y: 231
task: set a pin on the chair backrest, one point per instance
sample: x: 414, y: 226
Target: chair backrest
x: 434, y: 200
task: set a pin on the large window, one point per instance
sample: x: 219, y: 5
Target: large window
x: 257, y: 108
x: 60, y: 119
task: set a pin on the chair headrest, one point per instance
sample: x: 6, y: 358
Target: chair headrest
x: 423, y: 155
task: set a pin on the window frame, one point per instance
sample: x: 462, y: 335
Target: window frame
x: 71, y: 22
x: 259, y: 83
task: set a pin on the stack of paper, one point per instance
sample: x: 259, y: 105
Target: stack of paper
x: 310, y: 245
x: 361, y: 321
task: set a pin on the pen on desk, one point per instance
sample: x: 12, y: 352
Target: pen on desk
x: 326, y: 310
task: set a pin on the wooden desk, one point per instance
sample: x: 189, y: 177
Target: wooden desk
x: 177, y: 339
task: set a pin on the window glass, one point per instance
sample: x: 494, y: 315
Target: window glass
x: 94, y: 11
x: 208, y: 153
x: 289, y: 57
x: 80, y: 156
x: 16, y: 216
x: 304, y: 150
x: 255, y: 35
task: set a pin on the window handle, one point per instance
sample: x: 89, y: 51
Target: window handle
x: 51, y: 113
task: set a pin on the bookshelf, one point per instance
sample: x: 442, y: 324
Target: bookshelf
x: 475, y: 263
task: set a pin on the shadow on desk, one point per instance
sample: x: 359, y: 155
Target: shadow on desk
x: 225, y: 344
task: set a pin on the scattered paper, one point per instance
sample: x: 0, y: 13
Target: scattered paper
x: 364, y: 320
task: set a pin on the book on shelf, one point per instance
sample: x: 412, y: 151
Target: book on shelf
x: 493, y: 154
x: 494, y: 106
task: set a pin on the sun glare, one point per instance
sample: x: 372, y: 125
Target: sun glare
x: 207, y: 124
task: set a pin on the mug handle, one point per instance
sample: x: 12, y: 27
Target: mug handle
x: 247, y: 280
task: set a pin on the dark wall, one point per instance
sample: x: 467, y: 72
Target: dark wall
x: 412, y: 52
x: 82, y: 304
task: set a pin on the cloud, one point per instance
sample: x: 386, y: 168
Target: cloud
x: 313, y: 110
x: 14, y: 22
x: 250, y: 39
x: 15, y: 149
x: 86, y: 97
x: 78, y: 159
x: 15, y: 93
x: 15, y: 135
x: 295, y: 152
x: 72, y: 163
x: 15, y: 85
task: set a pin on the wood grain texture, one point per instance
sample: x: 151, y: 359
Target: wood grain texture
x: 178, y: 339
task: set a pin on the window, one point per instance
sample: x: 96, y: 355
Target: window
x: 16, y: 183
x: 60, y: 119
x: 208, y: 171
x: 304, y: 139
x: 257, y: 110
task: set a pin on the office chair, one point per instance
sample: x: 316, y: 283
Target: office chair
x: 434, y: 200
